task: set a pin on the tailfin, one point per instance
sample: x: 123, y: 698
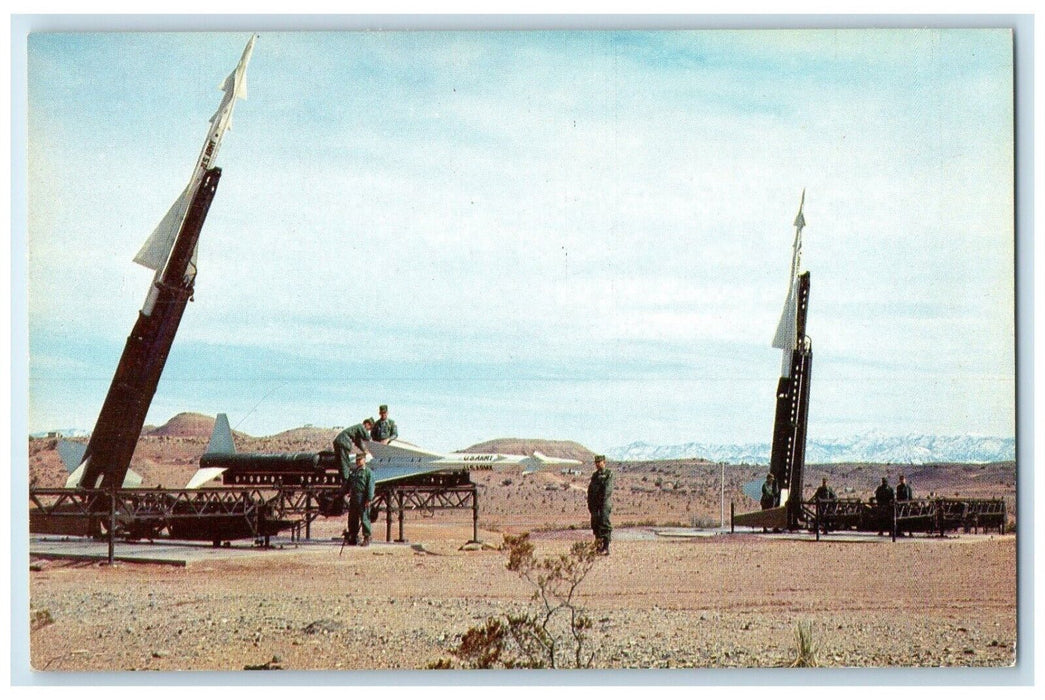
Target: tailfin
x: 157, y: 248
x: 753, y: 490
x: 71, y: 454
x: 398, y: 449
x: 538, y: 461
x: 221, y: 441
x: 72, y: 457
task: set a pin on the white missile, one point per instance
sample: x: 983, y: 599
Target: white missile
x: 786, y: 337
x: 157, y: 249
x: 398, y: 454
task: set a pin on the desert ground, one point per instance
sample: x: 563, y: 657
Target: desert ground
x: 658, y: 601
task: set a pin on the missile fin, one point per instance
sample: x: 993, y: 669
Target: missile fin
x: 221, y: 440
x: 157, y: 247
x: 71, y: 454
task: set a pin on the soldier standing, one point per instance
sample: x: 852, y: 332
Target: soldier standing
x: 600, y: 488
x: 360, y: 495
x: 904, y: 493
x: 825, y: 492
x: 770, y: 495
x: 903, y: 490
x: 384, y: 429
x: 883, y: 498
x: 348, y: 438
x: 822, y: 495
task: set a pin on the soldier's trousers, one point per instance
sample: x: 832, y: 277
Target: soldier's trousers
x: 600, y: 525
x: 357, y: 516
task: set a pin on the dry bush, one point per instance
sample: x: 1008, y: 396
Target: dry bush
x: 555, y: 634
x: 805, y: 646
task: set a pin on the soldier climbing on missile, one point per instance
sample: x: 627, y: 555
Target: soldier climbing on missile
x: 353, y: 436
x: 384, y: 430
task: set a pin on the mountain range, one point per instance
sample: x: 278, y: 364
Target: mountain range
x: 871, y: 447
x: 868, y: 447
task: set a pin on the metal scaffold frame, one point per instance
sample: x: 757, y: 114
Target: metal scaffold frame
x: 255, y: 512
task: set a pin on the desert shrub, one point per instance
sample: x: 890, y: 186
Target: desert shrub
x: 39, y: 619
x: 554, y: 633
x: 805, y: 646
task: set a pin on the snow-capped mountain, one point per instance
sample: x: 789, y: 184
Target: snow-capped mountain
x: 868, y: 447
x: 63, y: 432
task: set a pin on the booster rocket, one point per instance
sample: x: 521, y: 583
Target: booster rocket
x: 171, y: 251
x: 787, y: 458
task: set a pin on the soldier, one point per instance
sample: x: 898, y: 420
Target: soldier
x: 822, y: 495
x: 825, y: 492
x: 903, y: 490
x: 600, y: 488
x: 384, y: 429
x: 770, y: 495
x: 904, y: 493
x: 360, y: 494
x: 883, y: 498
x: 348, y: 438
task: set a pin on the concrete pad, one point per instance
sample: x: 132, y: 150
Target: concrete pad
x: 685, y: 532
x: 855, y: 536
x: 175, y: 552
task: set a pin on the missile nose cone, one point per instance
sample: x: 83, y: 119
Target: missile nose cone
x: 800, y: 220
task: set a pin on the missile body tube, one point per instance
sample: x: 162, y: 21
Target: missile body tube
x: 120, y: 421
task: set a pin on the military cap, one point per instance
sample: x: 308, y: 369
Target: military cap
x: 600, y: 458
x: 382, y: 407
x: 360, y: 457
x: 369, y: 420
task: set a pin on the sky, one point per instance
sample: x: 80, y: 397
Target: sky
x: 565, y: 235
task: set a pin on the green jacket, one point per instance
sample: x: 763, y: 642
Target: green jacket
x: 384, y: 429
x: 883, y: 495
x: 354, y: 435
x: 824, y: 493
x: 600, y: 488
x: 361, y: 484
x: 770, y: 494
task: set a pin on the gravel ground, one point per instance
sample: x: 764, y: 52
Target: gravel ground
x: 724, y: 601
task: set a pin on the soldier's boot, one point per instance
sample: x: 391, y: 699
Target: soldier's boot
x: 365, y: 542
x: 606, y: 547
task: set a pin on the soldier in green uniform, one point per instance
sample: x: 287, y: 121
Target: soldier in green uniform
x: 360, y: 494
x: 384, y: 429
x: 904, y: 492
x: 883, y: 498
x: 348, y: 438
x: 600, y: 488
x: 825, y: 492
x: 822, y: 495
x: 770, y: 495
